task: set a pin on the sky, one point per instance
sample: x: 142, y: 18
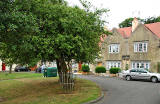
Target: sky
x: 122, y: 9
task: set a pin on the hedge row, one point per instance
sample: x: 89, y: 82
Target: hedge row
x: 114, y: 70
x: 100, y: 69
x: 85, y: 68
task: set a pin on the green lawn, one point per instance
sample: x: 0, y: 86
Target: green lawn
x: 45, y: 91
x: 17, y: 75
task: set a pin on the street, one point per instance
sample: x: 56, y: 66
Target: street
x: 118, y: 91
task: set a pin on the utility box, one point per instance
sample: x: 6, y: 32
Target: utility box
x: 50, y: 72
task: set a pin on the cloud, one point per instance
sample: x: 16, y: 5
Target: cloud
x: 122, y: 9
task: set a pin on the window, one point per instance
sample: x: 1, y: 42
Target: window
x: 119, y: 65
x: 145, y: 47
x: 142, y: 71
x: 140, y: 47
x: 111, y: 64
x: 147, y: 66
x: 114, y: 48
x: 140, y: 64
x: 133, y: 70
x: 115, y: 64
x: 133, y: 65
x: 110, y: 49
x: 137, y: 65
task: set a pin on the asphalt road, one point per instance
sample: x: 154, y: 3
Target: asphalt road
x: 118, y: 91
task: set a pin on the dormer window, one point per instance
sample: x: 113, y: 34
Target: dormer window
x: 114, y: 48
x: 140, y: 46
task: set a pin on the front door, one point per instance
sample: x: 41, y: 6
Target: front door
x: 126, y: 64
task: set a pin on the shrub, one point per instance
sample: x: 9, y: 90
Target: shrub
x: 114, y: 70
x: 85, y: 68
x: 100, y: 69
x: 126, y: 68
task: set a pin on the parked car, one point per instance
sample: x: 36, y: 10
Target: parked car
x: 140, y: 74
x: 21, y: 68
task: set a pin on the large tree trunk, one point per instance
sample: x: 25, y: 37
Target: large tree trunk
x: 62, y: 68
x: 65, y: 77
x: 10, y: 69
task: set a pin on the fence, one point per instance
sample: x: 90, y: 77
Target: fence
x: 67, y: 81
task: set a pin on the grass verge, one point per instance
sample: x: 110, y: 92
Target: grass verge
x: 45, y: 91
x: 17, y: 75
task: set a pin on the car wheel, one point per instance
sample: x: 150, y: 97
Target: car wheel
x: 154, y: 79
x: 128, y: 78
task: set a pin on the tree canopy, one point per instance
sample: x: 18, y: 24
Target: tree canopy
x: 151, y: 20
x: 34, y: 30
x: 128, y: 22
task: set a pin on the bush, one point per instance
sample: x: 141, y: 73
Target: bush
x: 114, y: 70
x: 100, y: 69
x: 126, y: 68
x: 85, y: 68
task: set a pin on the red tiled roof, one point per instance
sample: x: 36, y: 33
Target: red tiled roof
x: 153, y: 27
x: 125, y: 32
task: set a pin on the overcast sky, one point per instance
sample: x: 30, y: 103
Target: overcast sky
x: 122, y: 9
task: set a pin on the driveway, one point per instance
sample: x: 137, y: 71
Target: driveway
x: 118, y: 91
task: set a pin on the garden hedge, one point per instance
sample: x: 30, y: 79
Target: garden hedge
x: 114, y: 70
x: 100, y: 69
x: 85, y: 68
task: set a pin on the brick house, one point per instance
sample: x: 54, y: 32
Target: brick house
x: 137, y: 46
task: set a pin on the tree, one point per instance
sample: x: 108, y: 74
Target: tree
x: 151, y: 20
x: 15, y: 25
x: 6, y: 56
x: 128, y: 22
x: 52, y: 30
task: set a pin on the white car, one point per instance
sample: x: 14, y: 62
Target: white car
x: 140, y: 74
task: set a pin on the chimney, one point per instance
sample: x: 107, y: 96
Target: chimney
x: 135, y: 23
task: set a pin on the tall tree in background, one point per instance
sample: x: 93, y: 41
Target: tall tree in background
x: 128, y: 22
x: 50, y: 30
x: 151, y: 20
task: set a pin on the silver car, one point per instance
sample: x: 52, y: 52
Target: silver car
x: 140, y: 74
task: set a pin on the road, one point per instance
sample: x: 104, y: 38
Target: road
x: 118, y: 91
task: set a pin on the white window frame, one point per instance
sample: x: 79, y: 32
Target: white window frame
x: 110, y: 64
x: 139, y: 64
x: 140, y: 46
x: 114, y: 48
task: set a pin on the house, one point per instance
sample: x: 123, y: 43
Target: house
x: 137, y: 46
